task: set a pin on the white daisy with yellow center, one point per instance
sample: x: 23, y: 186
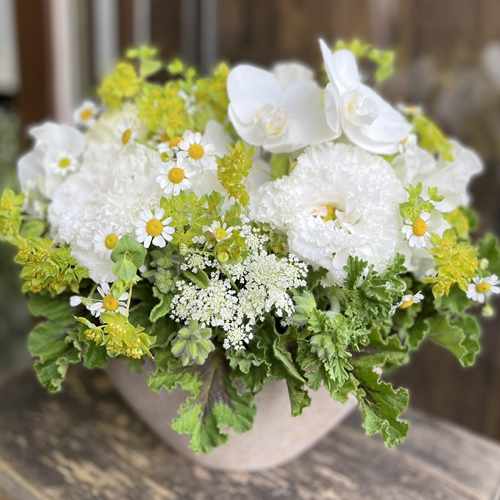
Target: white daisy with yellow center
x: 482, y: 288
x: 63, y: 163
x: 417, y: 232
x: 86, y: 114
x: 198, y: 151
x: 108, y: 303
x: 174, y: 177
x: 219, y: 231
x: 105, y: 241
x: 410, y: 299
x: 154, y: 228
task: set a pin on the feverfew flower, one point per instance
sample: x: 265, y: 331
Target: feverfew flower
x: 338, y: 201
x: 154, y: 229
x: 417, y: 232
x: 108, y: 302
x: 105, y: 241
x: 199, y: 152
x: 57, y: 152
x: 85, y: 115
x: 280, y: 118
x: 410, y: 299
x: 219, y: 231
x: 355, y: 109
x: 481, y: 288
x: 174, y: 176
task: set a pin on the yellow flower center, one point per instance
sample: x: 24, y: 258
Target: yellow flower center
x: 64, y: 162
x: 110, y: 241
x: 174, y: 142
x: 483, y: 287
x: 220, y: 234
x: 154, y: 227
x: 164, y: 156
x: 330, y: 212
x: 176, y: 175
x: 419, y: 227
x: 406, y: 304
x: 196, y: 151
x: 86, y: 114
x: 126, y: 136
x: 110, y: 303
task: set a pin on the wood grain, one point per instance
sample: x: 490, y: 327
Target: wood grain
x: 86, y: 444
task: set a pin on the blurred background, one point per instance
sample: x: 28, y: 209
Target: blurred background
x: 52, y: 53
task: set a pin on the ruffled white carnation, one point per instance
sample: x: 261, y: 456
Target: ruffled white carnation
x: 112, y: 188
x: 338, y: 201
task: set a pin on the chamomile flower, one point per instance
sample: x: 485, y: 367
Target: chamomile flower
x: 174, y: 177
x: 219, y: 231
x: 417, y: 232
x: 199, y: 152
x: 105, y: 241
x: 154, y: 229
x: 410, y: 299
x: 127, y: 133
x: 108, y: 303
x: 85, y: 115
x: 481, y: 288
x: 62, y: 163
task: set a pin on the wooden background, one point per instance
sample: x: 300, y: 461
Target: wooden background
x: 440, y: 47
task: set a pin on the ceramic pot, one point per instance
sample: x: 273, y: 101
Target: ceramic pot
x: 275, y: 438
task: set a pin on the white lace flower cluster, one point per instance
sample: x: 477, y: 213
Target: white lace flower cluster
x: 236, y: 301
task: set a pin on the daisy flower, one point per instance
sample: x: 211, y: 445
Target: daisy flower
x: 85, y: 115
x: 417, y: 232
x: 198, y: 151
x: 174, y: 177
x: 62, y: 163
x: 219, y: 231
x: 105, y: 241
x: 153, y: 228
x: 108, y: 302
x: 410, y: 299
x: 481, y: 288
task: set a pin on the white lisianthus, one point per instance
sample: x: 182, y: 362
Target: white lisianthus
x: 110, y: 191
x: 450, y: 178
x: 356, y: 110
x: 280, y: 118
x: 338, y: 201
x: 56, y: 153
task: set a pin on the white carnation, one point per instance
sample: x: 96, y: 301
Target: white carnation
x: 112, y: 188
x: 338, y: 201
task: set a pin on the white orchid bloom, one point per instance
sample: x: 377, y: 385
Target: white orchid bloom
x: 280, y: 118
x: 56, y: 153
x: 356, y: 110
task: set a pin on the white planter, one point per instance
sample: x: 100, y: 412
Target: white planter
x: 276, y: 436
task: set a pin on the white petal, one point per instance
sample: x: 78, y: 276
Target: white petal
x: 147, y: 241
x: 341, y: 68
x: 216, y: 135
x: 290, y: 72
x: 332, y: 109
x: 250, y: 87
x: 159, y: 241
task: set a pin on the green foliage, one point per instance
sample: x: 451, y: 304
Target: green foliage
x: 128, y: 256
x: 231, y: 250
x: 119, y: 337
x: 413, y: 207
x: 456, y: 263
x: 233, y: 169
x: 431, y: 137
x: 50, y: 342
x: 213, y: 405
x: 149, y: 64
x: 281, y: 165
x: 121, y: 84
x: 192, y: 344
x: 11, y: 205
x: 489, y: 249
x: 48, y: 268
x: 383, y: 59
x: 460, y: 222
x: 191, y: 214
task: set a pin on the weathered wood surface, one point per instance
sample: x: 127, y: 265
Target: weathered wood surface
x: 86, y: 444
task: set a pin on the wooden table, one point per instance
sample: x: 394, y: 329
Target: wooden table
x: 86, y: 444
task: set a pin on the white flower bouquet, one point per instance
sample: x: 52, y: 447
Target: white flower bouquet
x: 245, y: 227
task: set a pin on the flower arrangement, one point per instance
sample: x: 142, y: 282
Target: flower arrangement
x: 249, y: 226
